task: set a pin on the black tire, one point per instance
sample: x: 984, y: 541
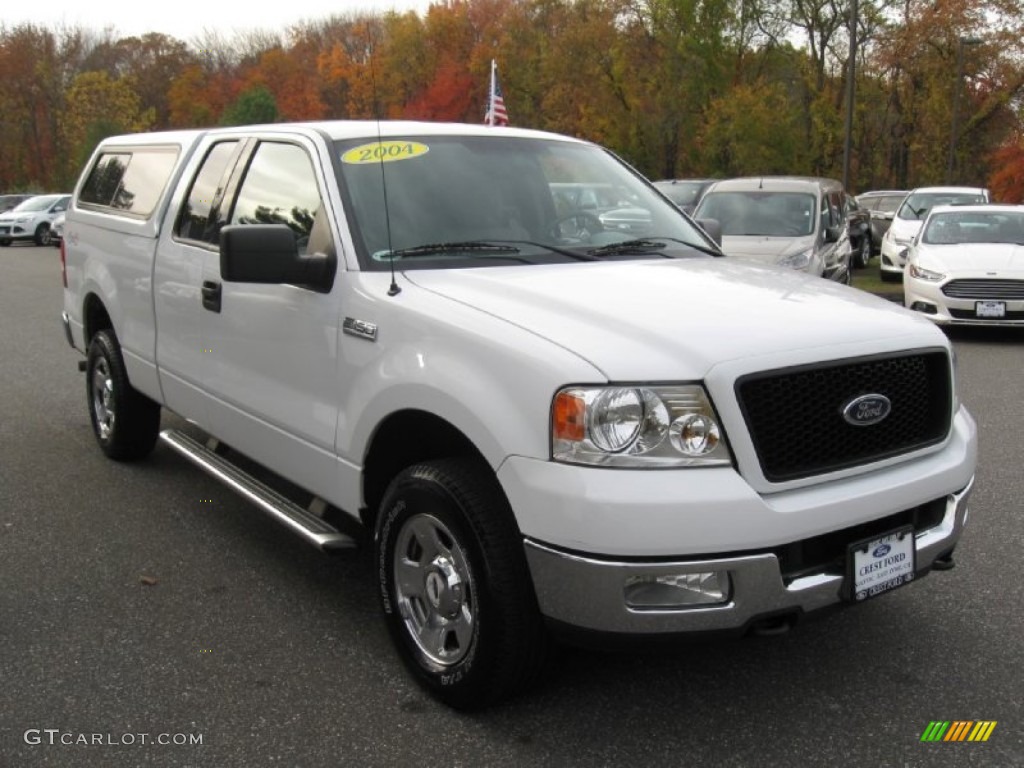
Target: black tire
x: 5, y: 241
x: 126, y: 423
x: 863, y: 255
x: 42, y: 235
x: 464, y: 615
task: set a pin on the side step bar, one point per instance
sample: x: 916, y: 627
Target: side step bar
x: 303, y: 522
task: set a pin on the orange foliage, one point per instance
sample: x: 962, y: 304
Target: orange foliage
x: 448, y: 97
x: 1007, y: 182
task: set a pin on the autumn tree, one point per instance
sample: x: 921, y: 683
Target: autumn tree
x: 99, y: 106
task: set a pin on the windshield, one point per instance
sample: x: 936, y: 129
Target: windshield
x: 760, y: 212
x: 682, y: 192
x: 452, y: 201
x: 917, y: 205
x: 881, y: 203
x: 974, y: 227
x: 37, y: 203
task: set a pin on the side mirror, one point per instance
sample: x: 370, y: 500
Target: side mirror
x: 269, y: 254
x: 712, y: 228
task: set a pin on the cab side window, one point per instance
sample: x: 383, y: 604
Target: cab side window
x: 199, y: 220
x: 280, y: 188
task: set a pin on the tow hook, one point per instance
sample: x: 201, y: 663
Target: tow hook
x: 944, y: 562
x: 778, y: 625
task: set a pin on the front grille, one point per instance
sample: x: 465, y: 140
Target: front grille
x: 795, y: 415
x: 1007, y: 290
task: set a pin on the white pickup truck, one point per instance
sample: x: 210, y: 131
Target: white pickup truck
x: 549, y: 424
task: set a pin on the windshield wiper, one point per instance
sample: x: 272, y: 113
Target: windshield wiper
x: 646, y: 245
x: 432, y: 249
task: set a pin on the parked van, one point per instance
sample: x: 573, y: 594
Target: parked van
x: 790, y: 221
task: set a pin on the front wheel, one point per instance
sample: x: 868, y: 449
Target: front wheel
x: 864, y: 252
x: 126, y: 423
x: 454, y: 584
x: 42, y: 236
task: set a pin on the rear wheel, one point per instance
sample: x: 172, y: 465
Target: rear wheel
x: 125, y: 422
x: 454, y: 584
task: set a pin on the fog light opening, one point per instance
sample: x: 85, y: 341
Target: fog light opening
x: 925, y: 307
x: 677, y: 590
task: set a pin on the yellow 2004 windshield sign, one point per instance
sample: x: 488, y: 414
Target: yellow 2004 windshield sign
x: 384, y: 152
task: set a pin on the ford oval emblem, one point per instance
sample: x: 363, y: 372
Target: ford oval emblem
x: 881, y: 550
x: 866, y: 410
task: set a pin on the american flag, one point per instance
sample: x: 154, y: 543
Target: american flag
x: 496, y: 114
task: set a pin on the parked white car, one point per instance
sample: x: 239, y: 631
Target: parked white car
x: 31, y: 220
x: 967, y: 266
x: 907, y: 222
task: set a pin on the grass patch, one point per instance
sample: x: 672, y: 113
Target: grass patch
x: 868, y: 279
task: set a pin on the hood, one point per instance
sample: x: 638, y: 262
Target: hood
x: 974, y: 259
x: 904, y: 229
x: 674, y: 319
x: 764, y: 249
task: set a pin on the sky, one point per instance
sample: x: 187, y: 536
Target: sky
x: 189, y: 19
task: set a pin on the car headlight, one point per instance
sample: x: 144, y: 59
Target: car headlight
x: 925, y: 274
x: 799, y: 260
x: 624, y: 426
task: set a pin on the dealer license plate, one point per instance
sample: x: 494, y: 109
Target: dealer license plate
x: 880, y: 564
x: 990, y: 308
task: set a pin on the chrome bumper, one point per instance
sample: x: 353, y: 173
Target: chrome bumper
x: 588, y: 593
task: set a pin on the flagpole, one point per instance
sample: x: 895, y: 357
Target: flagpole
x: 490, y: 95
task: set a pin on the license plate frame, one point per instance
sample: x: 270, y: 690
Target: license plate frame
x: 880, y: 564
x: 990, y: 309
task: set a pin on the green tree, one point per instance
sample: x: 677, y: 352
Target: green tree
x: 254, y: 105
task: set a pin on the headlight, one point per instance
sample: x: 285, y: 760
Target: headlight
x: 797, y: 260
x: 925, y: 274
x: 672, y: 426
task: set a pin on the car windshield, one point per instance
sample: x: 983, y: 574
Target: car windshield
x: 35, y: 204
x: 881, y: 203
x: 760, y: 212
x: 681, y: 192
x: 456, y: 201
x: 917, y: 205
x: 974, y: 227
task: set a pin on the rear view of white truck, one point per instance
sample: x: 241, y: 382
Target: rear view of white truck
x: 549, y: 423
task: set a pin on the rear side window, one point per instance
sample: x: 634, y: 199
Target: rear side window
x: 129, y: 181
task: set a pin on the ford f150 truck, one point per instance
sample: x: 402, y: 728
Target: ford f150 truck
x: 547, y: 424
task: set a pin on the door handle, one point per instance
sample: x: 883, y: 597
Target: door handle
x: 211, y: 295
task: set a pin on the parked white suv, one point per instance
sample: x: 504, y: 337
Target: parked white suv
x: 907, y: 222
x: 31, y: 219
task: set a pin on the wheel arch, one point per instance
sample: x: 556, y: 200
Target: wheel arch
x: 95, y: 318
x: 402, y: 439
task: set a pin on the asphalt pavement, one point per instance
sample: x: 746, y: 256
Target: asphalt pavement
x: 150, y: 617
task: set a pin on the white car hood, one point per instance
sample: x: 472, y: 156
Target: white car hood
x: 674, y: 319
x: 973, y: 259
x: 763, y: 249
x: 905, y: 229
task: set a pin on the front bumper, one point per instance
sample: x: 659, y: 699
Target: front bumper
x: 890, y: 259
x: 927, y: 298
x: 587, y: 592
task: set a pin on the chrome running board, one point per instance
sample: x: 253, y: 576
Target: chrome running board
x: 303, y: 522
